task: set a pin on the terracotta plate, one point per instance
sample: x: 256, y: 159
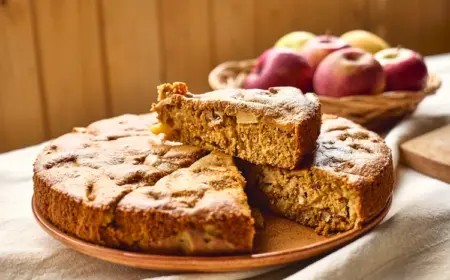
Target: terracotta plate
x: 282, y: 241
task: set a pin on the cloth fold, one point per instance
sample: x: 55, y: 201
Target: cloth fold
x: 413, y: 241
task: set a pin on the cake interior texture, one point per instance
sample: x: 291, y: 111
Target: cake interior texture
x: 249, y: 134
x: 343, y: 185
x: 252, y: 141
x: 311, y: 198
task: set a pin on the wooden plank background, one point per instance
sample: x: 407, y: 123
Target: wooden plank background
x: 66, y: 63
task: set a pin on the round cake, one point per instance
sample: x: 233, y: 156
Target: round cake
x: 116, y: 184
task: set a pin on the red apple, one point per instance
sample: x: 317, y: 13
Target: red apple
x: 317, y: 48
x: 404, y: 69
x: 280, y: 67
x: 347, y: 72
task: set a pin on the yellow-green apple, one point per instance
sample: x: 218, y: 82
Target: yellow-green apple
x: 404, y: 69
x: 348, y: 72
x: 280, y: 67
x: 365, y: 40
x: 317, y: 48
x: 294, y: 40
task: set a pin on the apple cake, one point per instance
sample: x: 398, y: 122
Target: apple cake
x: 274, y: 127
x: 115, y: 183
x: 345, y: 183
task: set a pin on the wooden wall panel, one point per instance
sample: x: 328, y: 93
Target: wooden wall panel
x: 422, y: 25
x: 233, y: 24
x: 269, y: 12
x: 21, y: 110
x: 186, y: 41
x: 132, y: 46
x: 434, y: 28
x: 340, y: 19
x: 68, y: 43
x: 390, y: 20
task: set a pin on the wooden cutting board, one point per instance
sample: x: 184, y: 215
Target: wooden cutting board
x: 429, y: 153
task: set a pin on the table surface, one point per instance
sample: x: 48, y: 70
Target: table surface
x: 440, y: 64
x: 413, y: 242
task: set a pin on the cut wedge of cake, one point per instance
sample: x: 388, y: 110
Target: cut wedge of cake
x: 115, y: 183
x: 345, y: 183
x: 201, y: 209
x: 274, y: 127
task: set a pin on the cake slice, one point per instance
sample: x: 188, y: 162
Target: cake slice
x: 343, y: 185
x: 274, y: 127
x: 201, y: 209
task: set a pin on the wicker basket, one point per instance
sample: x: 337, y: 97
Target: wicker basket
x: 376, y: 112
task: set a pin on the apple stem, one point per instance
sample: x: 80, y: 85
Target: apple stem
x: 398, y: 49
x: 328, y: 32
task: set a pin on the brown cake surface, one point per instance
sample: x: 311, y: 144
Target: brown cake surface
x: 115, y: 183
x: 276, y: 127
x: 345, y: 183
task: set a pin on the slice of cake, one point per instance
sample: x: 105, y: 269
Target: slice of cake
x: 201, y: 209
x: 344, y: 184
x: 274, y: 127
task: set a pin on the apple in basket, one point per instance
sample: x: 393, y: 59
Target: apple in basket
x: 405, y: 69
x: 317, y: 48
x: 280, y: 67
x: 294, y: 40
x: 348, y: 72
x: 365, y: 40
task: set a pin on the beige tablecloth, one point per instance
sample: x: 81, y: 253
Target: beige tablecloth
x: 413, y: 242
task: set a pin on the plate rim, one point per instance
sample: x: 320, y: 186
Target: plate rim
x: 206, y: 263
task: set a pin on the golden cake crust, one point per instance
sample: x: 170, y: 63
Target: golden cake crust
x: 286, y: 107
x: 350, y: 150
x: 103, y: 183
x: 204, y: 203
